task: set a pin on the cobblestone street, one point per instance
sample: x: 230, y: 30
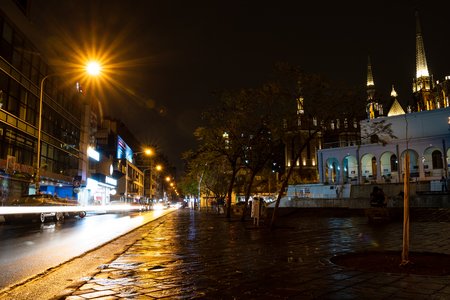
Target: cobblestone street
x: 189, y: 254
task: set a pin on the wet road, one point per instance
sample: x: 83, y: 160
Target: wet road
x: 195, y: 255
x: 27, y: 249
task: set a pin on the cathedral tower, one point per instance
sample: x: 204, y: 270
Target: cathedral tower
x: 422, y: 83
x: 373, y: 108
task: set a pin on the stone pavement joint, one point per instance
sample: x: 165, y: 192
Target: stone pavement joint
x: 194, y: 255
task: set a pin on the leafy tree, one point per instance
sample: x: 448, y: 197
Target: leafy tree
x: 203, y: 174
x: 309, y: 102
x: 257, y: 155
x: 223, y: 136
x: 241, y: 131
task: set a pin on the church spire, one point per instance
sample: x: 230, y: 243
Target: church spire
x: 396, y: 109
x: 373, y: 108
x: 422, y: 83
x: 370, y: 82
x: 421, y: 60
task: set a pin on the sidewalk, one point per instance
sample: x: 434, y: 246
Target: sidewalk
x: 195, y: 254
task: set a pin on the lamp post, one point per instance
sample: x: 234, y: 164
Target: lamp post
x: 148, y: 152
x: 92, y: 68
x: 158, y: 169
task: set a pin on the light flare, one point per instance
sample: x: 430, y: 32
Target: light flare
x: 112, y: 51
x: 8, y: 210
x: 93, y: 68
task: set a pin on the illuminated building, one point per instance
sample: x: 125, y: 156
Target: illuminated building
x: 423, y: 131
x: 22, y: 67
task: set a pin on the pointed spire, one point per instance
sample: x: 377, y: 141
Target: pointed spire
x: 396, y: 108
x: 370, y: 82
x: 393, y: 92
x: 421, y: 60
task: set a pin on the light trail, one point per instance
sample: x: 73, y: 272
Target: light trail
x: 10, y: 210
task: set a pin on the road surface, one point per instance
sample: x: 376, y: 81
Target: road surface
x: 27, y: 249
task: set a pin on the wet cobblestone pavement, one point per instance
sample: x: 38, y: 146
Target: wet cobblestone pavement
x: 197, y: 255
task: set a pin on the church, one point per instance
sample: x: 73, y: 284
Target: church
x: 421, y: 129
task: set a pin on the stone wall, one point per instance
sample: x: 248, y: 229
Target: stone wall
x: 360, y: 198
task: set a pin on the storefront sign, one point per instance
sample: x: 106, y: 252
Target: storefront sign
x: 110, y: 181
x: 93, y: 154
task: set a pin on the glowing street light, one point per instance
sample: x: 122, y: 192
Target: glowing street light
x: 148, y: 152
x: 91, y: 67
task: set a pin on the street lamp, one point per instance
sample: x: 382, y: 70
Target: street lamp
x: 92, y: 68
x: 148, y: 152
x: 158, y: 169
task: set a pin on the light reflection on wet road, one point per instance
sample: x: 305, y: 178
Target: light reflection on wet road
x: 27, y: 249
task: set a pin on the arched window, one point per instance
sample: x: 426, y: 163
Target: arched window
x: 394, y: 163
x: 436, y: 157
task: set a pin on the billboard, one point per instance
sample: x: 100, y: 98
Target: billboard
x: 123, y: 150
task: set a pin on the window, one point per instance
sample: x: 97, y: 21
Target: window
x: 7, y: 33
x: 436, y: 157
x: 394, y: 163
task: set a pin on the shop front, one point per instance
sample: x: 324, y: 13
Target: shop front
x: 98, y: 191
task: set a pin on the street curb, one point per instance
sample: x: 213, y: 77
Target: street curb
x: 69, y: 275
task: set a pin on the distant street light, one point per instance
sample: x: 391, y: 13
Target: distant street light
x: 91, y: 69
x: 148, y: 152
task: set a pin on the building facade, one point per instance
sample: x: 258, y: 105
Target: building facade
x: 22, y: 69
x: 422, y: 130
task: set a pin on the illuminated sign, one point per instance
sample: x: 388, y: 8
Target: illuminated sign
x: 91, y: 184
x: 93, y: 154
x: 123, y: 150
x: 110, y: 181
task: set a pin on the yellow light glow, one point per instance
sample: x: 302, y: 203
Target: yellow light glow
x: 110, y: 49
x: 158, y: 167
x: 148, y: 151
x: 168, y: 179
x: 93, y: 68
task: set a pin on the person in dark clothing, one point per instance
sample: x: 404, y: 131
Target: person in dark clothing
x: 444, y: 184
x: 377, y: 197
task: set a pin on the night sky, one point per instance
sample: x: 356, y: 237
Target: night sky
x: 169, y: 56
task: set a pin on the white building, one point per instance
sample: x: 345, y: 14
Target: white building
x: 423, y: 131
x: 426, y: 135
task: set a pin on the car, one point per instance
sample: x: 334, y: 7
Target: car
x: 43, y: 200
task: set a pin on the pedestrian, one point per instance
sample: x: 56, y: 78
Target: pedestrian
x: 220, y: 205
x: 381, y: 198
x: 377, y: 197
x: 256, y: 211
x: 444, y: 184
